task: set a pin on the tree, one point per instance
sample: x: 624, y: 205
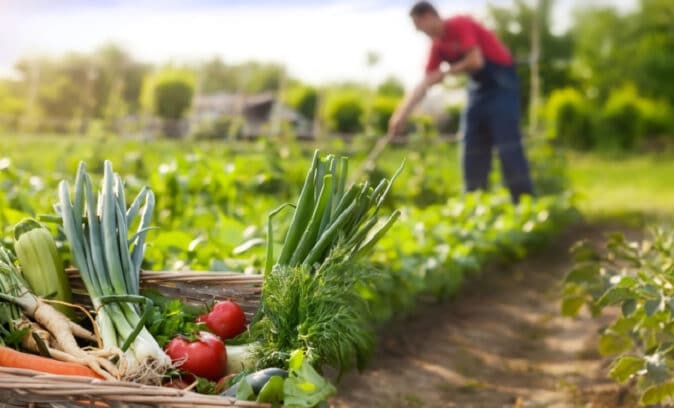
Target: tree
x: 512, y: 25
x: 168, y: 94
x: 636, y: 47
x: 120, y: 78
x: 391, y: 86
x: 12, y: 105
x: 251, y: 77
x: 216, y: 76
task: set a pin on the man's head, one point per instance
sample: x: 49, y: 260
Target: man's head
x: 426, y: 19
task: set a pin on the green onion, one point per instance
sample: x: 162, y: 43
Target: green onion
x: 330, y: 215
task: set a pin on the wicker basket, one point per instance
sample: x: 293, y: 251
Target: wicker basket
x: 26, y: 388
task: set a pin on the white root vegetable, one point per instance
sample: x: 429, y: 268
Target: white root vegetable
x: 60, y: 328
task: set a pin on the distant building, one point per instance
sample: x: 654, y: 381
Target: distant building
x: 260, y: 114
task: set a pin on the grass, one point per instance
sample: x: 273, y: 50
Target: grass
x: 634, y: 188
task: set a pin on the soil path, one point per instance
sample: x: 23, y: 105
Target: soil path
x: 502, y: 343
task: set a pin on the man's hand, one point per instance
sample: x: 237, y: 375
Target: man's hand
x: 397, y: 122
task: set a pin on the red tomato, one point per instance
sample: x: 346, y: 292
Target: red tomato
x: 206, y: 357
x: 226, y: 319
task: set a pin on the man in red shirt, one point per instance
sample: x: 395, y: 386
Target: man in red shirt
x: 492, y: 115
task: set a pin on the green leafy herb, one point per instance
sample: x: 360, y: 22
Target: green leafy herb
x: 170, y: 318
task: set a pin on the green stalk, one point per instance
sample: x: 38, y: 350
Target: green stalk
x: 378, y: 235
x: 269, y: 262
x: 327, y: 214
x: 301, y: 214
x: 109, y: 233
x: 343, y: 176
x: 345, y: 201
x: 388, y: 188
x: 100, y: 247
x: 359, y: 236
x: 329, y: 235
x: 313, y: 228
x: 139, y: 241
x: 135, y: 206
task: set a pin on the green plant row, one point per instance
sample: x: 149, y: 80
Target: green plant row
x: 638, y: 279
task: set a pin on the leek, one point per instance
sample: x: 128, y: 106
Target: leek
x: 109, y: 262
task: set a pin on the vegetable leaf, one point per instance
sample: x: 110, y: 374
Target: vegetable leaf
x: 625, y: 367
x: 304, y: 387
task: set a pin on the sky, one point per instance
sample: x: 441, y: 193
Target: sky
x: 318, y: 41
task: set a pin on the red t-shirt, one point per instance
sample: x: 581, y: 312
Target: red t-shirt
x: 461, y: 34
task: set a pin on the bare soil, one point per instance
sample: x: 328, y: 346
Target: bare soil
x: 501, y: 343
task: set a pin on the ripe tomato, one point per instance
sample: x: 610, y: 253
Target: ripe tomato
x: 205, y: 357
x: 226, y: 319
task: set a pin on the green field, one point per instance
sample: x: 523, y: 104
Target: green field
x: 636, y: 186
x: 608, y: 185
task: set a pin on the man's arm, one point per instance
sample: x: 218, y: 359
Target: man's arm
x: 411, y: 100
x: 471, y: 62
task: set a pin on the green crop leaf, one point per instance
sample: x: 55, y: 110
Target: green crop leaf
x: 613, y: 343
x: 623, y: 368
x: 272, y: 392
x: 627, y: 282
x: 628, y: 307
x: 304, y: 387
x: 571, y: 305
x: 657, y: 394
x: 585, y: 272
x: 583, y: 251
x: 648, y: 291
x: 651, y: 307
x: 244, y: 392
x: 615, y: 295
x: 657, y: 370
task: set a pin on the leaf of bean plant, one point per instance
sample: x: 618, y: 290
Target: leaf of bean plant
x: 637, y: 277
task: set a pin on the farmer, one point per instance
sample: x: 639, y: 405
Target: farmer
x: 491, y: 118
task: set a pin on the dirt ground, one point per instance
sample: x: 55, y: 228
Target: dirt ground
x: 501, y: 343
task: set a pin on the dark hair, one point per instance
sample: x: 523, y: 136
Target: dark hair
x: 422, y: 8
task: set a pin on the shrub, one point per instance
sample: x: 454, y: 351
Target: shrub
x: 621, y: 119
x: 168, y: 93
x: 656, y: 116
x: 569, y: 118
x: 382, y: 109
x: 451, y: 121
x: 344, y: 111
x: 303, y: 99
x: 391, y: 87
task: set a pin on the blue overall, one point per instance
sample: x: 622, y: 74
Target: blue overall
x: 492, y: 119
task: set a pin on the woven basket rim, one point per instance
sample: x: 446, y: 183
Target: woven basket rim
x: 189, y: 275
x: 28, y: 386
